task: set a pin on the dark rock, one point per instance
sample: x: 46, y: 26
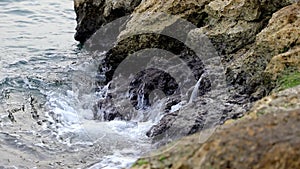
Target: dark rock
x: 104, y: 110
x: 164, y: 124
x: 146, y: 82
x: 92, y: 14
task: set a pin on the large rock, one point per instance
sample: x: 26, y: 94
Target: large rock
x: 286, y: 100
x: 233, y: 27
x: 240, y: 30
x: 258, y: 65
x: 270, y: 140
x: 282, y: 35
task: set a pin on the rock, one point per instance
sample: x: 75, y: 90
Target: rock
x: 256, y: 66
x: 282, y: 32
x: 227, y: 32
x: 146, y: 82
x: 265, y: 138
x: 282, y: 35
x: 286, y: 100
x: 104, y: 110
x: 271, y: 141
x: 240, y: 31
x: 246, y: 10
x: 231, y: 26
x: 92, y: 14
x: 258, y: 42
x: 238, y: 22
x: 284, y: 61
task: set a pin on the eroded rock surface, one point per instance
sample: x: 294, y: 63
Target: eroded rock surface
x: 268, y: 141
x: 257, y: 66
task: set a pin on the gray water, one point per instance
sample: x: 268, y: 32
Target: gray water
x: 45, y: 114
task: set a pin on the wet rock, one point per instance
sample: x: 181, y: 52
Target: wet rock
x: 240, y: 31
x: 231, y: 26
x: 92, y: 14
x: 164, y: 124
x: 271, y: 141
x: 104, y: 110
x: 267, y: 137
x: 258, y: 42
x: 146, y: 82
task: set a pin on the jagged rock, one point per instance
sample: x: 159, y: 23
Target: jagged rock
x: 235, y: 23
x: 230, y: 25
x: 281, y: 62
x: 282, y: 31
x: 253, y: 67
x: 146, y: 82
x: 104, y: 110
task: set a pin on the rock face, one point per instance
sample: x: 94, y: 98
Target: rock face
x: 286, y: 100
x: 257, y: 43
x: 256, y: 46
x: 258, y: 66
x: 284, y: 43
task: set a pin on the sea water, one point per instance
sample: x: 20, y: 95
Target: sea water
x: 46, y: 116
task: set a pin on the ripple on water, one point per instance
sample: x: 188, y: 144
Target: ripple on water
x: 38, y: 57
x: 19, y: 12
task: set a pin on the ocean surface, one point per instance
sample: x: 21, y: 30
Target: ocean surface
x: 46, y: 111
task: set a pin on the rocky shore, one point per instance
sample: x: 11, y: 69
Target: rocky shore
x: 268, y: 141
x: 258, y: 43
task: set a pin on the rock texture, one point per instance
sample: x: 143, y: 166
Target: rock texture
x: 265, y: 141
x: 256, y: 40
x: 256, y: 67
x: 269, y: 142
x: 286, y: 100
x: 282, y: 35
x: 240, y: 30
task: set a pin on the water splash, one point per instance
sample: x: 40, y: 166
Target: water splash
x: 195, y: 91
